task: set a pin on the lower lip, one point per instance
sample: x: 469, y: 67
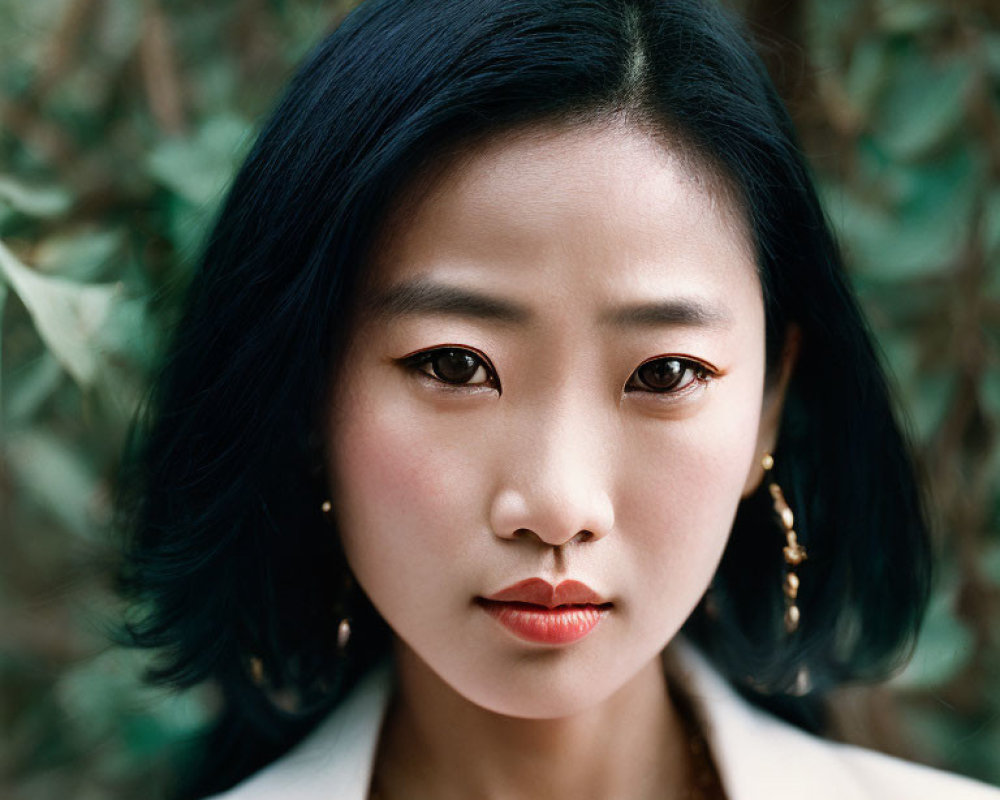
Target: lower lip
x: 560, y: 625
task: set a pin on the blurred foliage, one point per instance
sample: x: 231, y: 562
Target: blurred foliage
x: 120, y: 124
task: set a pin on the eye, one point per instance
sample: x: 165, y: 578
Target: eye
x: 671, y: 375
x: 453, y: 365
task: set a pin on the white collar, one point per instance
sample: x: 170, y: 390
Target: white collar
x: 759, y: 757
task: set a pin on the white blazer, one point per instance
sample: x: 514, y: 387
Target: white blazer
x: 759, y: 757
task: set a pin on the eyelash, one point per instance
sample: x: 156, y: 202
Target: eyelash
x: 417, y: 361
x: 702, y: 374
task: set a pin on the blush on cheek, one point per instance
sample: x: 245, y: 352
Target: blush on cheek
x: 395, y: 476
x: 684, y: 487
x: 382, y: 468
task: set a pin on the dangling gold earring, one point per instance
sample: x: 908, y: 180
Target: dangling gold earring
x: 794, y: 553
x: 344, y: 627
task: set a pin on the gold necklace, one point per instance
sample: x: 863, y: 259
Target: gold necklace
x: 706, y: 783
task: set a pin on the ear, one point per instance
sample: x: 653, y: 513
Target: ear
x: 774, y: 402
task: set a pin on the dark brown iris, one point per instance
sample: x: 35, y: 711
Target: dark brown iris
x: 663, y: 374
x: 455, y: 366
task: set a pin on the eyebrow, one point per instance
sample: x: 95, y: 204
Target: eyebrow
x: 682, y: 312
x: 423, y: 296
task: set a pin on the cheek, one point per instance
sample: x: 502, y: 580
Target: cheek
x: 396, y: 482
x: 681, y: 492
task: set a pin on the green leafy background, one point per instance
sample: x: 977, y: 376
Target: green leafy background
x: 120, y: 123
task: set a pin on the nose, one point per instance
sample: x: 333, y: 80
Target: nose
x: 555, y: 483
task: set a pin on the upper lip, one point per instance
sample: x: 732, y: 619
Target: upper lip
x: 540, y: 592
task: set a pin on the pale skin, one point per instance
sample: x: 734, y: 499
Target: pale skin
x: 553, y: 263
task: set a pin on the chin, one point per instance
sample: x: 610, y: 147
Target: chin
x: 542, y: 685
x: 536, y: 705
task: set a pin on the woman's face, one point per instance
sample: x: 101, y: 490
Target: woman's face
x: 560, y: 376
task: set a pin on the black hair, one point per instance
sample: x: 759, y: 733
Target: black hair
x: 235, y: 572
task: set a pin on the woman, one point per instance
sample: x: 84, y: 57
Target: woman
x: 522, y: 437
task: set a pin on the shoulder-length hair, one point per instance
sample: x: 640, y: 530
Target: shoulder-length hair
x: 228, y: 551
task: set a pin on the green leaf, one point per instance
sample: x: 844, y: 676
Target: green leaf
x: 936, y: 213
x: 929, y: 402
x: 34, y: 384
x: 128, y: 341
x: 121, y: 23
x: 908, y: 16
x: 83, y: 255
x: 942, y: 650
x: 867, y: 73
x: 918, y: 223
x: 34, y: 201
x: 198, y: 169
x: 57, y: 478
x: 187, y: 226
x: 825, y: 25
x: 107, y: 691
x: 67, y: 315
x: 901, y: 355
x: 921, y: 104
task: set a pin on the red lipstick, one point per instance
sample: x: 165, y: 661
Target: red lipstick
x: 537, y: 611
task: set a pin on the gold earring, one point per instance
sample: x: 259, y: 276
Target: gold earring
x: 794, y: 552
x: 344, y: 627
x: 342, y: 610
x: 343, y: 633
x: 257, y: 675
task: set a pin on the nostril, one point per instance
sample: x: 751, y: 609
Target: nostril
x: 554, y: 518
x: 580, y: 538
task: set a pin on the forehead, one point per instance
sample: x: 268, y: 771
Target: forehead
x: 568, y: 210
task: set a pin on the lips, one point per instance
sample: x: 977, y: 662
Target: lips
x: 536, y: 611
x: 539, y: 592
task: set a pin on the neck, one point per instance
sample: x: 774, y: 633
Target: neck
x: 435, y: 743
